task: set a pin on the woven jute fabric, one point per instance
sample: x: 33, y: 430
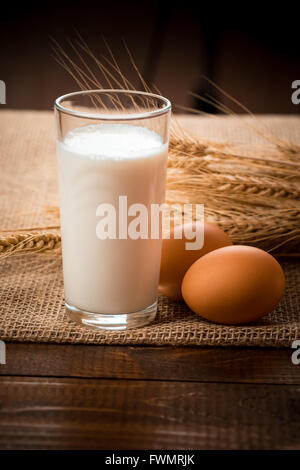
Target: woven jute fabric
x: 32, y: 309
x: 31, y: 285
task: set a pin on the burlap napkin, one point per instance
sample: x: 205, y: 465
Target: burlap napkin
x: 31, y: 287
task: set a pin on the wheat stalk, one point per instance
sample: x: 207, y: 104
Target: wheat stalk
x: 17, y: 242
x: 253, y: 195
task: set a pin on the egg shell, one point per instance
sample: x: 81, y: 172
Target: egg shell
x: 176, y: 260
x: 234, y: 285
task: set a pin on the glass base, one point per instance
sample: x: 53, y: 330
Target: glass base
x: 120, y: 321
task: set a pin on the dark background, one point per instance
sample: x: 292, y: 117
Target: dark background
x: 250, y: 49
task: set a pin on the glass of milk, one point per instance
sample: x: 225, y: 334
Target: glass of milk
x: 112, y: 159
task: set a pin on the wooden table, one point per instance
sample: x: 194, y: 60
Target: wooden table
x: 119, y: 397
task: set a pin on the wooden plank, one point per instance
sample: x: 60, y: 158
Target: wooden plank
x: 43, y: 413
x: 245, y: 365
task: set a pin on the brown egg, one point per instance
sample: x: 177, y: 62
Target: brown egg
x: 234, y: 285
x: 176, y: 259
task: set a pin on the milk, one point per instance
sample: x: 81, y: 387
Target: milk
x: 97, y: 164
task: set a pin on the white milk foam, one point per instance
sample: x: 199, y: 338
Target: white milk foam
x: 113, y: 140
x: 97, y: 164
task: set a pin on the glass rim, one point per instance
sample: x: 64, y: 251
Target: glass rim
x: 113, y: 117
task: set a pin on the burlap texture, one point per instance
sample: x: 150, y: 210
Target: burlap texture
x: 31, y: 287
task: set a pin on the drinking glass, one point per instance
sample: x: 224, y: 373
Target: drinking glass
x: 112, y: 161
